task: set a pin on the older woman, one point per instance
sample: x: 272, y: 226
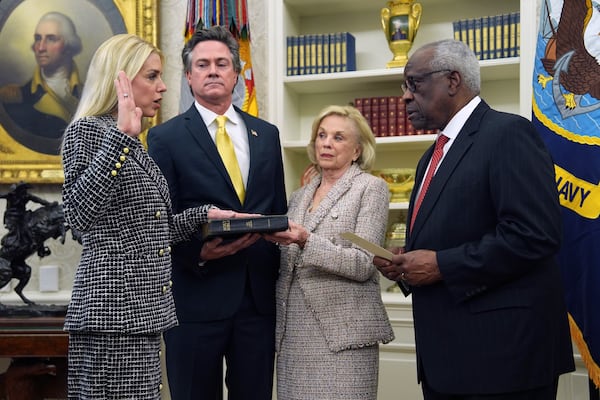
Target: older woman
x: 330, y: 317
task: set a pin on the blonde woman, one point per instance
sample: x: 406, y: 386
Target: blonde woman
x: 116, y: 196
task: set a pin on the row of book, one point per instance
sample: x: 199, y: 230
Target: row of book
x: 495, y: 36
x: 386, y: 116
x: 321, y: 53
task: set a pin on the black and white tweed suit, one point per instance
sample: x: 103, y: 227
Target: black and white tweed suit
x: 117, y: 197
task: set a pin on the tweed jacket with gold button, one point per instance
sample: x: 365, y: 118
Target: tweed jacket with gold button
x: 116, y: 196
x: 338, y: 280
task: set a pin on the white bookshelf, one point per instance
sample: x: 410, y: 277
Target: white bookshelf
x: 293, y: 102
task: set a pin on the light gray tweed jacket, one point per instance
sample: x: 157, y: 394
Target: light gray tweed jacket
x: 117, y: 197
x: 338, y: 280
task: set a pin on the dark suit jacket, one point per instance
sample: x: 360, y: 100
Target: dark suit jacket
x: 188, y: 157
x: 497, y: 322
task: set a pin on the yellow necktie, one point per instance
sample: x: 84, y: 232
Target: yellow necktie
x: 225, y: 148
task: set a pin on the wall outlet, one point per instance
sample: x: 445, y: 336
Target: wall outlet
x: 48, y: 278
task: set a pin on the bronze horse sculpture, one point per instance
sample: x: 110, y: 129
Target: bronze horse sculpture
x: 27, y: 232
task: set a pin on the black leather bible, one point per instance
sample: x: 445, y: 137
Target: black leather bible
x: 232, y: 227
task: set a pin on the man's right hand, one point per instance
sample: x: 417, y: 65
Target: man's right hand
x: 215, y: 248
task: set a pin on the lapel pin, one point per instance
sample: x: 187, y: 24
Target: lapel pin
x: 253, y: 132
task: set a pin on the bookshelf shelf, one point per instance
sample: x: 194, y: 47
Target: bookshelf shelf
x: 384, y: 144
x: 491, y: 70
x: 399, y: 206
x: 342, y: 81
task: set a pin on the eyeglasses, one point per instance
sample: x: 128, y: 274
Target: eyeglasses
x: 411, y: 82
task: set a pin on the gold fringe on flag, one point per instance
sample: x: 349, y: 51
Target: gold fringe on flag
x: 592, y: 367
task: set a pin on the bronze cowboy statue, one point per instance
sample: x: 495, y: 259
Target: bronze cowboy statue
x: 27, y: 232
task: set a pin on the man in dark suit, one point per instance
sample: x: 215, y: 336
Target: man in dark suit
x: 489, y: 313
x: 224, y: 293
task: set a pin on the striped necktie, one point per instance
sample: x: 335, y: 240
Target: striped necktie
x: 438, y: 152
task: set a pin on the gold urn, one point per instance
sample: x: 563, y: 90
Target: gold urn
x: 400, y: 182
x: 400, y: 21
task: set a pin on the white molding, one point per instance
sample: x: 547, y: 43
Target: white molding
x: 61, y: 297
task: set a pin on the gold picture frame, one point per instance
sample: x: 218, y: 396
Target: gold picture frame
x: 31, y: 157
